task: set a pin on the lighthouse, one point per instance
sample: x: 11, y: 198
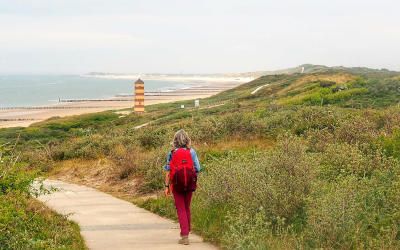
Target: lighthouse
x: 139, y: 96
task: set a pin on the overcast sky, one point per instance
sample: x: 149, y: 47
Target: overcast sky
x: 195, y: 36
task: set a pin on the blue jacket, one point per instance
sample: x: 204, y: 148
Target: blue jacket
x: 194, y: 158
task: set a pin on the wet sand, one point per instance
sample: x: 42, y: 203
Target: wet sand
x: 25, y: 116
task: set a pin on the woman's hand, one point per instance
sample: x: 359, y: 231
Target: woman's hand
x: 166, y: 191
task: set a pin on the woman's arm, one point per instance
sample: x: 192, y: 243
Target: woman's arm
x: 167, y: 169
x: 166, y: 182
x: 195, y: 159
x: 166, y: 189
x: 169, y: 157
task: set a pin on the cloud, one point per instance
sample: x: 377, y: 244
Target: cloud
x: 77, y: 32
x: 66, y: 39
x: 195, y: 36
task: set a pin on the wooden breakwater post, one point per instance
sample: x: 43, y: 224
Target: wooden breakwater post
x: 139, y: 96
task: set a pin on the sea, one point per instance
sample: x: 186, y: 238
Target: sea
x: 43, y: 90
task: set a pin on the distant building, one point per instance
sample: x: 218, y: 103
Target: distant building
x: 139, y: 96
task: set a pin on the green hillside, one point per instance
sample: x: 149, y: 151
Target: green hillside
x: 309, y: 160
x: 26, y: 223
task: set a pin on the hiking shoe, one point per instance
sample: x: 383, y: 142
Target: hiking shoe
x: 184, y: 240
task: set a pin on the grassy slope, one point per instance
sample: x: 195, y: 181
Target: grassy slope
x: 26, y: 223
x: 303, y: 115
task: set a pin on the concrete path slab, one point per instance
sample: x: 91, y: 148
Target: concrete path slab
x: 110, y: 223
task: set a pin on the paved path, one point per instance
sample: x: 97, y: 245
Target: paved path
x: 142, y: 125
x: 259, y: 88
x: 110, y: 223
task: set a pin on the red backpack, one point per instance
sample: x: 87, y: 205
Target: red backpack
x: 183, y: 175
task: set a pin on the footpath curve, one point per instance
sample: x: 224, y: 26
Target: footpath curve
x: 110, y: 223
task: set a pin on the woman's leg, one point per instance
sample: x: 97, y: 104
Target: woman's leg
x: 188, y: 200
x: 181, y: 211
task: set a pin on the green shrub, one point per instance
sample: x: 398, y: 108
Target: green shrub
x: 24, y: 222
x: 15, y: 178
x: 312, y: 97
x: 14, y: 175
x: 27, y: 224
x: 391, y: 144
x: 152, y: 138
x: 326, y: 84
x: 253, y: 231
x: 340, y: 160
x: 246, y: 230
x: 344, y: 94
x: 277, y: 182
x: 151, y: 168
x: 215, y: 128
x: 360, y: 129
x: 353, y: 213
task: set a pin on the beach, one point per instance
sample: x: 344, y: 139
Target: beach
x: 25, y: 116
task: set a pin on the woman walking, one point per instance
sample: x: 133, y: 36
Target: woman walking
x: 181, y: 178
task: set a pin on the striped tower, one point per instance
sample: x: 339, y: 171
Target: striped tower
x: 139, y: 96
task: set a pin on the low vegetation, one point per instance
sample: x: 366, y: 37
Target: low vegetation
x: 26, y: 223
x: 309, y: 161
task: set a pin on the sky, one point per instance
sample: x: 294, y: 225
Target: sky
x: 195, y: 36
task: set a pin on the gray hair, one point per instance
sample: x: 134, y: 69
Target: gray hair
x: 181, y: 139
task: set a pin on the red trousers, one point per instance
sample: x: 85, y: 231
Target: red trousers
x: 182, y: 204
